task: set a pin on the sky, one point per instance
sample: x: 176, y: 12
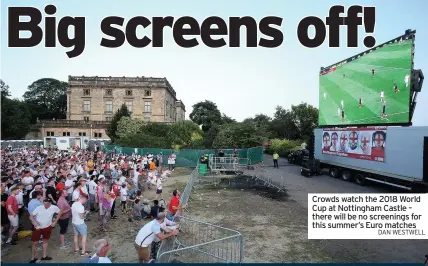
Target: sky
x: 242, y: 81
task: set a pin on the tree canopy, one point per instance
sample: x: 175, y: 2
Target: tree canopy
x: 112, y: 127
x: 205, y: 114
x: 210, y: 128
x: 140, y: 134
x: 15, y: 115
x: 47, y: 99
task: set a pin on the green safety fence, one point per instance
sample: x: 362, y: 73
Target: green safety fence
x: 189, y: 157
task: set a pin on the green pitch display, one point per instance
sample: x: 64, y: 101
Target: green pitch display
x: 372, y: 89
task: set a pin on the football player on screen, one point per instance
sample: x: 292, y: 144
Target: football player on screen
x: 344, y: 76
x: 342, y: 104
x: 396, y: 90
x: 384, y: 115
x: 325, y: 95
x: 382, y: 96
x: 339, y: 111
x: 407, y: 80
x: 373, y: 72
x: 360, y: 102
x: 343, y: 114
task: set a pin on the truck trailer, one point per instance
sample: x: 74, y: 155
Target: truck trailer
x: 395, y: 156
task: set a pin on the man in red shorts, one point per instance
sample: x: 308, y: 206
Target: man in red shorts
x: 42, y: 218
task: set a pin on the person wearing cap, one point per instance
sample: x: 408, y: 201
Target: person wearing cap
x: 41, y: 218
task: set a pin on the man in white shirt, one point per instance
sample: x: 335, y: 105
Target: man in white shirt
x: 147, y: 234
x: 28, y: 181
x: 41, y: 218
x: 158, y: 188
x: 122, y: 179
x: 78, y: 219
x: 123, y: 196
x: 69, y: 187
x: 91, y: 189
x: 156, y: 242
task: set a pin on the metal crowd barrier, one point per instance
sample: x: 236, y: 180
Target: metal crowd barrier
x: 202, y: 242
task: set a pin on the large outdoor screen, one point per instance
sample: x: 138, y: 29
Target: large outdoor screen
x: 373, y: 88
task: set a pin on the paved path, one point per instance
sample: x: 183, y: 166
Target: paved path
x: 298, y: 187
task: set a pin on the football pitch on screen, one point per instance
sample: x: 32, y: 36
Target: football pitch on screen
x: 354, y: 80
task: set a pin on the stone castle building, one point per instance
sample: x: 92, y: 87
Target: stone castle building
x: 93, y: 101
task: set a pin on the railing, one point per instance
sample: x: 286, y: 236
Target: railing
x: 74, y: 122
x: 201, y: 242
x: 227, y: 163
x: 82, y: 80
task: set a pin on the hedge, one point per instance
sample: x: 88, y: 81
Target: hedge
x: 283, y: 146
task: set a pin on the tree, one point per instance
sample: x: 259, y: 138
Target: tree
x: 47, y: 99
x: 239, y: 135
x: 227, y: 119
x: 112, y: 127
x: 283, y: 126
x: 183, y: 132
x: 305, y: 118
x: 5, y: 92
x: 128, y: 126
x: 262, y: 123
x: 15, y: 116
x: 206, y: 114
x: 210, y: 135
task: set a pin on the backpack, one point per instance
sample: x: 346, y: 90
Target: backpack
x: 91, y: 259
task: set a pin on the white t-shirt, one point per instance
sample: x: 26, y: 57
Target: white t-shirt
x: 73, y: 172
x: 76, y: 195
x: 44, y: 216
x: 122, y: 180
x: 92, y: 186
x: 76, y: 210
x: 381, y: 94
x: 147, y: 234
x: 123, y: 194
x: 26, y: 180
x: 20, y: 199
x: 69, y: 183
x: 158, y: 184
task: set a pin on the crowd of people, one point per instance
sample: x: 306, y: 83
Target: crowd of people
x: 69, y: 188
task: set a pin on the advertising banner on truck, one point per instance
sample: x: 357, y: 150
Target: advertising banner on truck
x: 359, y: 143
